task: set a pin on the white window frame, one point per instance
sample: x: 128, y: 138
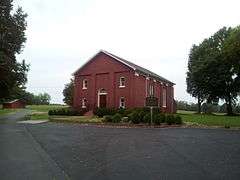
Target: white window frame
x: 122, y: 104
x: 164, y: 97
x: 84, y: 103
x: 84, y: 84
x: 122, y: 83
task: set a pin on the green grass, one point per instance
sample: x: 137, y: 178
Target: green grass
x: 41, y: 111
x: 76, y: 119
x: 45, y: 108
x: 7, y: 111
x: 210, y: 120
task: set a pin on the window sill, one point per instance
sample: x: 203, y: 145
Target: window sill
x: 164, y: 106
x: 122, y: 86
x: 84, y: 88
x: 84, y: 107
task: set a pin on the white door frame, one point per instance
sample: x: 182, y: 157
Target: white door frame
x: 100, y: 93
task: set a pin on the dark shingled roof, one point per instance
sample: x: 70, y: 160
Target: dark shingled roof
x: 138, y: 68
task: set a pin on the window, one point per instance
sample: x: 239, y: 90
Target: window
x: 122, y: 102
x: 85, y: 84
x: 122, y: 82
x: 84, y: 103
x: 151, y: 90
x: 164, y: 98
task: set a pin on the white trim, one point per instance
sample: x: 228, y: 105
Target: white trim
x: 120, y: 82
x: 107, y: 53
x: 136, y: 74
x: 100, y: 93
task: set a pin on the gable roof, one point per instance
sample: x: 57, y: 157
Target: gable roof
x: 132, y: 66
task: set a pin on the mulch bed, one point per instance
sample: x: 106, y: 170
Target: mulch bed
x: 119, y: 125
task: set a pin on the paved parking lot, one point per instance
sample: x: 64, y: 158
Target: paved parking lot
x: 73, y: 151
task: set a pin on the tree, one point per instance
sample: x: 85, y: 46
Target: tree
x: 12, y: 38
x: 194, y: 77
x: 68, y: 93
x: 211, y: 74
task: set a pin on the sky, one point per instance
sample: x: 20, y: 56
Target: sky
x: 156, y: 34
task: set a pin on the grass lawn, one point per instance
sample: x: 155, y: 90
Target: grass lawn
x: 41, y: 111
x: 7, y: 111
x: 210, y: 120
x: 76, y: 119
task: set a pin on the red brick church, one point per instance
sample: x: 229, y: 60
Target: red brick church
x: 107, y: 80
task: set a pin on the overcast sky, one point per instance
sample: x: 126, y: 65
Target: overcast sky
x: 156, y: 34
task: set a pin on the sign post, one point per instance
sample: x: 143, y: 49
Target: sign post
x: 151, y: 102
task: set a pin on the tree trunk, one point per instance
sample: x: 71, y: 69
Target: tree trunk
x: 199, y: 105
x: 229, y: 105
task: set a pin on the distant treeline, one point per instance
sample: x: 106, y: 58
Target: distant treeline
x: 206, y: 107
x: 30, y: 98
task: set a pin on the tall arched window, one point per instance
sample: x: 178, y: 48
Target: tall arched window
x: 84, y: 103
x: 122, y: 82
x: 122, y: 102
x: 85, y: 84
x: 164, y: 97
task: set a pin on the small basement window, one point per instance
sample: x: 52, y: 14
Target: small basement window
x: 122, y: 102
x: 85, y: 84
x: 84, y: 103
x: 122, y: 82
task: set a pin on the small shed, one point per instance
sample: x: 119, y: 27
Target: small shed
x: 14, y: 104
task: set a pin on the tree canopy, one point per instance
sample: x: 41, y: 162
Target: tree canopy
x: 13, y: 74
x: 213, y: 68
x: 68, y: 93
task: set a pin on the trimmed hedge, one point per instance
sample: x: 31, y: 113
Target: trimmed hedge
x: 67, y: 112
x: 100, y: 112
x: 137, y: 115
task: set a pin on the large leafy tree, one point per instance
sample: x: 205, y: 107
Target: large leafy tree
x: 212, y: 69
x: 68, y: 93
x: 195, y: 85
x: 12, y: 38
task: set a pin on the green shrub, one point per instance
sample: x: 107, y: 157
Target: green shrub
x: 157, y: 119
x: 162, y: 118
x: 67, y: 112
x: 108, y: 118
x: 147, y: 118
x: 127, y: 112
x: 121, y: 111
x: 100, y: 112
x: 169, y: 119
x: 134, y: 117
x: 142, y: 114
x: 178, y: 119
x: 116, y: 118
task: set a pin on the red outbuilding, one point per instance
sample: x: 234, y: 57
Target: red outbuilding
x: 107, y: 80
x: 17, y: 103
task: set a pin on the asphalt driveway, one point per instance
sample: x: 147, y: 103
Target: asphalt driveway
x: 73, y: 151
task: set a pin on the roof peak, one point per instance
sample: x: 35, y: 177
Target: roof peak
x: 131, y: 65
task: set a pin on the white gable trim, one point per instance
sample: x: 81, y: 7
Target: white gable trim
x: 108, y: 54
